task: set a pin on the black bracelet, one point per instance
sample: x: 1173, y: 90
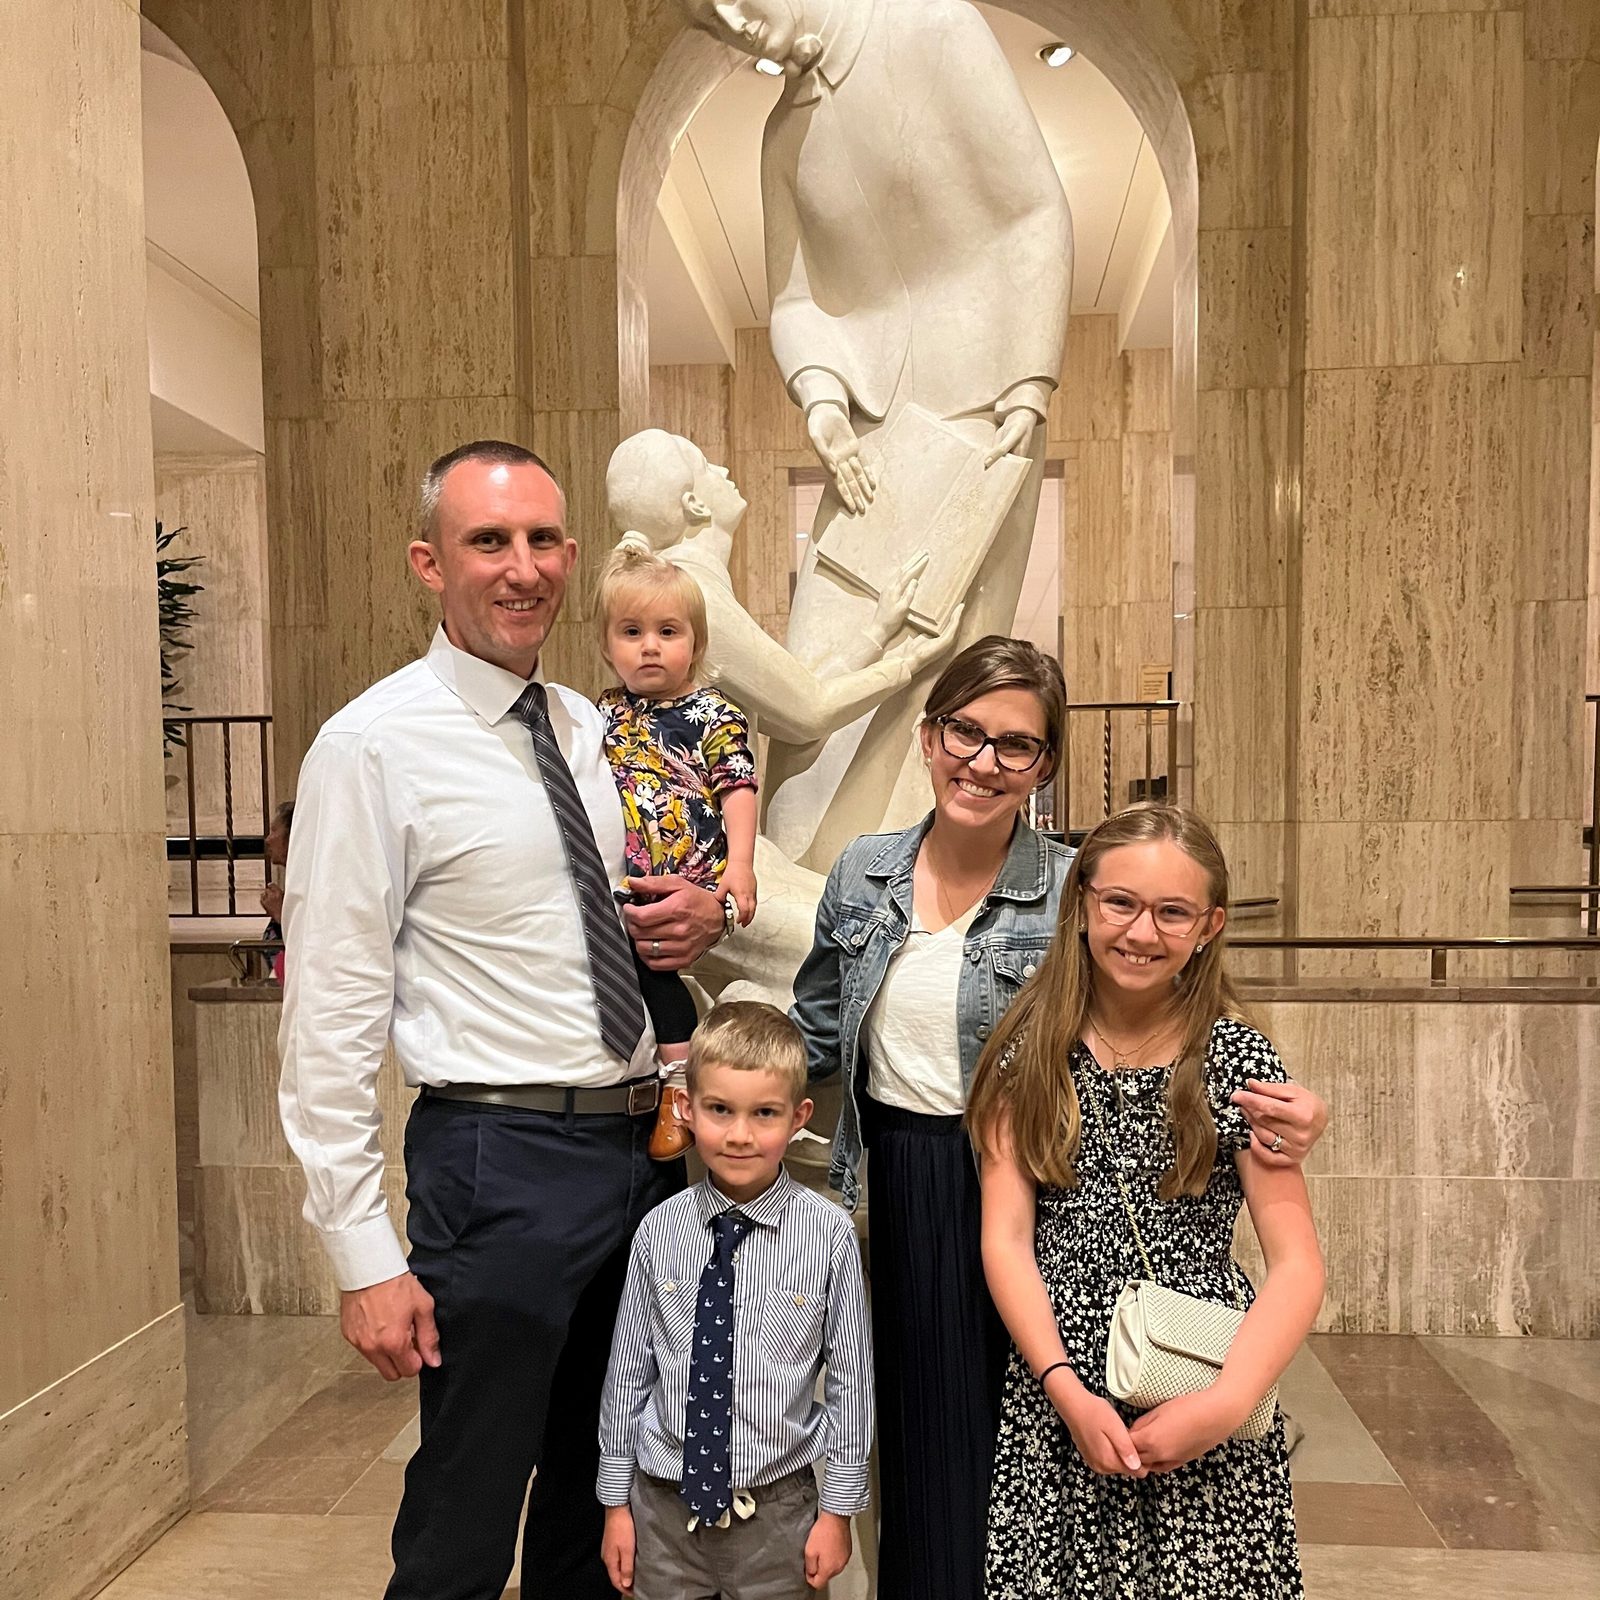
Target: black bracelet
x: 1054, y: 1367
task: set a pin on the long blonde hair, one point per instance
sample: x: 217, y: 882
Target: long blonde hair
x: 1034, y: 1089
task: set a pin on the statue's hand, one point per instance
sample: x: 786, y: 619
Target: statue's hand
x: 894, y: 603
x: 1016, y: 430
x: 839, y: 450
x: 923, y: 652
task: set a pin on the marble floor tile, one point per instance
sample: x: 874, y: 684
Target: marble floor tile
x: 312, y: 1485
x: 1337, y: 1448
x: 1570, y: 1364
x: 1361, y: 1514
x: 376, y: 1493
x: 246, y: 1374
x: 1459, y: 1467
x: 403, y: 1446
x: 1344, y: 1572
x: 1553, y: 1431
x: 312, y: 1460
x: 221, y: 1555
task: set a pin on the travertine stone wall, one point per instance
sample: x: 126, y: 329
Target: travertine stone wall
x: 254, y: 1252
x: 92, y: 1461
x: 1458, y: 1187
x: 1241, y: 106
x: 1449, y: 209
x: 1110, y: 427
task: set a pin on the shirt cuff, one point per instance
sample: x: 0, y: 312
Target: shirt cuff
x: 366, y: 1254
x: 615, y: 1482
x: 810, y: 386
x: 845, y: 1488
x: 1032, y: 393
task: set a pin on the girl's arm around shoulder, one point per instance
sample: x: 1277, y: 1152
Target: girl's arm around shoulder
x: 1012, y: 1270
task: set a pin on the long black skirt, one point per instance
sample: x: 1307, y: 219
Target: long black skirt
x: 940, y: 1355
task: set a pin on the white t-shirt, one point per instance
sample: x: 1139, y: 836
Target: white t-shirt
x: 913, y: 1034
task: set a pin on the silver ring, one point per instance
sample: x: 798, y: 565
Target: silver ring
x: 655, y: 951
x: 1276, y: 1147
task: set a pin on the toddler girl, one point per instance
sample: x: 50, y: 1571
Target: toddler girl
x: 681, y: 758
x: 1102, y: 1105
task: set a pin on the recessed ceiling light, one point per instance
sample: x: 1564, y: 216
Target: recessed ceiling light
x: 773, y: 69
x: 1057, y: 55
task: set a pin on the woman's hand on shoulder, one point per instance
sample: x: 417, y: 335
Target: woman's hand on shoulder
x: 1287, y: 1115
x: 1182, y: 1430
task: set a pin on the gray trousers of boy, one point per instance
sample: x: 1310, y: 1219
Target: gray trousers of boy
x: 761, y: 1557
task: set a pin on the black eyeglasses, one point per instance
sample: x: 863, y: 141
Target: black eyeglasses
x: 1016, y: 752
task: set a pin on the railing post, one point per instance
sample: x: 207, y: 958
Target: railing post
x: 1438, y: 963
x: 1593, y: 921
x: 227, y: 814
x: 1106, y: 773
x: 1065, y: 823
x: 266, y: 804
x: 194, y: 843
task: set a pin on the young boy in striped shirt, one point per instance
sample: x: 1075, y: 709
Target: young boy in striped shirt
x: 740, y: 1292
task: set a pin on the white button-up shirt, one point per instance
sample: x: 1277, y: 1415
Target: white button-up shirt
x: 428, y: 899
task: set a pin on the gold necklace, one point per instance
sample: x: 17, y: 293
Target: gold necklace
x: 1122, y: 1060
x: 945, y: 902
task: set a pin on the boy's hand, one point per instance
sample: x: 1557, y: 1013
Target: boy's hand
x: 740, y: 882
x: 827, y: 1548
x: 616, y: 1548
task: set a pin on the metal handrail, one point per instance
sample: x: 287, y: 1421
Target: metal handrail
x: 231, y: 840
x: 1438, y: 948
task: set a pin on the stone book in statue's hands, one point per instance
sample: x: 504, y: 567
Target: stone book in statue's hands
x: 935, y: 494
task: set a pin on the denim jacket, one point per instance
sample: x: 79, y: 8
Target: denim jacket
x: 862, y: 920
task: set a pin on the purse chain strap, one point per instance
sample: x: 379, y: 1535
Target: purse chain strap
x: 1127, y: 1199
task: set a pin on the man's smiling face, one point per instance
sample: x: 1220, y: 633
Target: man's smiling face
x: 499, y: 558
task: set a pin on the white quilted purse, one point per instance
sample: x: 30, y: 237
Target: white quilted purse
x: 1164, y: 1343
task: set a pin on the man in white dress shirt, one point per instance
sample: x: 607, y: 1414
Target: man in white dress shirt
x: 446, y: 889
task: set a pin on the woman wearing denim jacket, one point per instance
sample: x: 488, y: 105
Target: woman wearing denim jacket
x: 923, y: 939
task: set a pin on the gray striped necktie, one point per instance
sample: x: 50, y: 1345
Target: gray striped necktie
x: 611, y: 971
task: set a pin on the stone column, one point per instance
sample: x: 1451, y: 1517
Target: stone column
x: 92, y: 1450
x: 1240, y: 110
x: 1437, y: 648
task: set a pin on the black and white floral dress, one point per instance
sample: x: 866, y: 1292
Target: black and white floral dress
x: 1219, y: 1528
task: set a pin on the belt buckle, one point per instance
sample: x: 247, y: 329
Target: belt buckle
x: 644, y: 1094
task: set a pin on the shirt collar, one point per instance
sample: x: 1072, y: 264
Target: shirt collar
x: 488, y: 690
x: 767, y: 1208
x: 1024, y: 874
x: 842, y: 35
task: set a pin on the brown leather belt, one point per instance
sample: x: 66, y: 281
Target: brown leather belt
x: 633, y: 1099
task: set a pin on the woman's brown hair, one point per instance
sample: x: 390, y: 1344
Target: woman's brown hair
x: 996, y: 662
x: 1033, y: 1091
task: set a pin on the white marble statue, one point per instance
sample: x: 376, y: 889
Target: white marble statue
x: 919, y: 255
x: 660, y: 488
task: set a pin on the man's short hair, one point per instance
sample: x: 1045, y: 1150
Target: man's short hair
x: 492, y: 452
x: 283, y: 817
x: 750, y: 1036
